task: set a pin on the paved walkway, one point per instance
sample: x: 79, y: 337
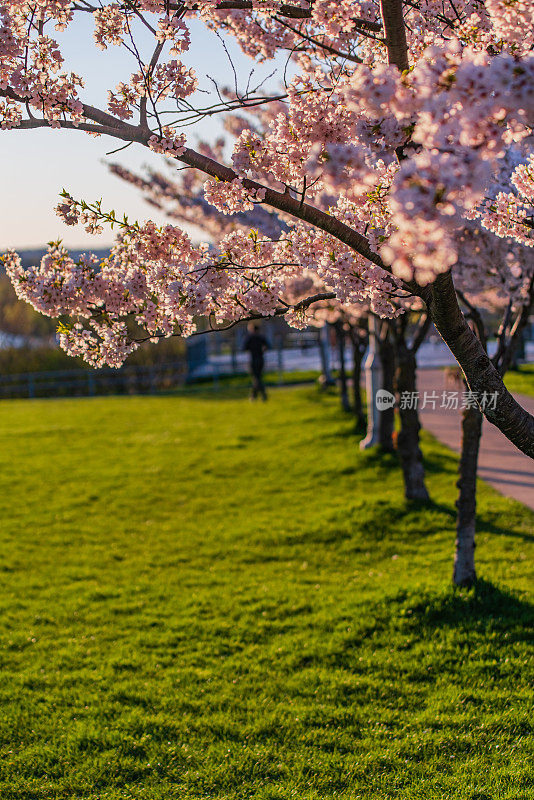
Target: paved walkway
x: 501, y: 464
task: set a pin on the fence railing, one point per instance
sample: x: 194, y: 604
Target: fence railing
x: 131, y: 379
x: 134, y: 379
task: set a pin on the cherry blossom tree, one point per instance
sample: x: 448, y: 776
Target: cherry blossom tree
x: 379, y: 151
x: 499, y: 264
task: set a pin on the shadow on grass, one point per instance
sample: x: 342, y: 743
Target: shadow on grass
x: 485, y: 603
x: 393, y: 520
x: 383, y: 459
x: 437, y: 462
x: 486, y: 523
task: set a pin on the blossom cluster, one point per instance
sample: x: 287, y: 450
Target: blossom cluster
x: 168, y: 144
x: 511, y: 214
x: 232, y: 197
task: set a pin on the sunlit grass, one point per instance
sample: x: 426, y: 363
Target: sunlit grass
x: 521, y: 380
x: 208, y: 598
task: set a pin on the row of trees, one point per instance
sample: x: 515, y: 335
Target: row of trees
x: 407, y: 445
x: 508, y: 293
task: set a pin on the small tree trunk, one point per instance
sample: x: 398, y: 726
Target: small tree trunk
x: 387, y: 417
x: 340, y: 335
x: 464, y: 558
x: 373, y: 381
x: 234, y: 353
x: 358, y: 350
x: 324, y: 353
x: 408, y: 447
x: 518, y: 351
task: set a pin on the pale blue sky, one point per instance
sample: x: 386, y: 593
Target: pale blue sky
x: 35, y: 165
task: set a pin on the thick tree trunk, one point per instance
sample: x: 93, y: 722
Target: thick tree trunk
x: 387, y: 416
x: 464, y: 560
x: 481, y: 376
x: 358, y: 350
x: 391, y: 12
x: 408, y: 439
x: 343, y: 388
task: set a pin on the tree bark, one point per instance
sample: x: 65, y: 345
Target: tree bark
x: 324, y: 354
x: 391, y: 12
x: 480, y: 374
x: 410, y: 454
x: 358, y: 349
x: 387, y: 417
x: 464, y: 559
x: 343, y: 388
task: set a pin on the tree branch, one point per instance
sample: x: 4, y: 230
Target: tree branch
x: 289, y: 205
x: 327, y: 48
x: 281, y: 201
x: 480, y: 374
x: 292, y: 12
x: 279, y: 312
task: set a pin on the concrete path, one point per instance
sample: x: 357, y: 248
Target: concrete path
x: 500, y: 463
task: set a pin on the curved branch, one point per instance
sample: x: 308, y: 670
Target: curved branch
x: 281, y: 201
x: 327, y: 48
x: 87, y: 127
x: 440, y: 297
x: 480, y: 374
x: 279, y: 312
x: 289, y: 205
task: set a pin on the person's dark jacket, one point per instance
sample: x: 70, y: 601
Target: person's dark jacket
x: 256, y: 344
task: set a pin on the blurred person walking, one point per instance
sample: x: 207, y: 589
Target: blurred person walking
x: 256, y: 345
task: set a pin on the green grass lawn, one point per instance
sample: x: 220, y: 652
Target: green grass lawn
x: 242, y: 381
x: 208, y: 598
x: 521, y: 380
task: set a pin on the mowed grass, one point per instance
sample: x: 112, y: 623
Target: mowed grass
x: 521, y: 380
x: 208, y: 598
